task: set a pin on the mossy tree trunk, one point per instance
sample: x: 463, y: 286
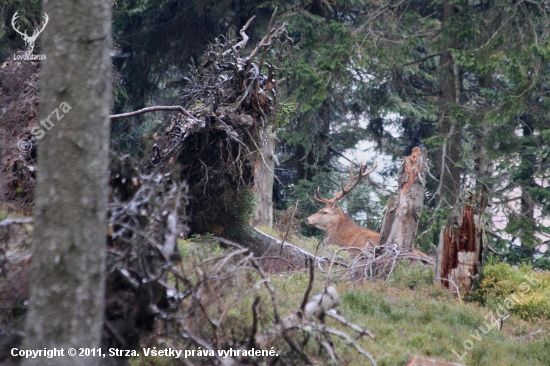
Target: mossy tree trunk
x: 68, y: 264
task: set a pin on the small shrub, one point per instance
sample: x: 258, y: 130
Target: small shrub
x: 501, y: 281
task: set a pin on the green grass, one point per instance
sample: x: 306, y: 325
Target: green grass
x: 427, y: 321
x: 409, y: 315
x: 408, y: 322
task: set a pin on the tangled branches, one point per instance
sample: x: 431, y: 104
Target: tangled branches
x: 146, y: 215
x: 206, y: 322
x: 226, y: 101
x: 216, y: 304
x: 373, y: 262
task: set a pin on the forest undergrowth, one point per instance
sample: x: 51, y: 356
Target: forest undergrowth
x: 408, y: 314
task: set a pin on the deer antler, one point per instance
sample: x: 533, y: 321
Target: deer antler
x: 36, y: 31
x: 352, y: 183
x: 318, y: 197
x: 15, y: 16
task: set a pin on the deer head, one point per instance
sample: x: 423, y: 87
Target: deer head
x: 29, y: 40
x: 331, y: 214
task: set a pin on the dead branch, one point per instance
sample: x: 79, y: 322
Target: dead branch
x: 288, y: 227
x: 334, y: 315
x: 376, y: 262
x: 310, y: 283
x: 237, y: 48
x: 350, y: 342
x: 539, y: 331
x: 261, y: 63
x: 296, y: 250
x: 314, y: 309
x: 153, y: 109
x: 494, y: 251
x: 452, y: 283
x: 10, y: 221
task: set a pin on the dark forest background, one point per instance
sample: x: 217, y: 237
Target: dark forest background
x: 468, y: 80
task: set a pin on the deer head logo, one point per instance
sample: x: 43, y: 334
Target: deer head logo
x: 29, y: 40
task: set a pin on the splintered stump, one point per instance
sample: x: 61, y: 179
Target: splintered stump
x: 461, y: 245
x: 404, y: 210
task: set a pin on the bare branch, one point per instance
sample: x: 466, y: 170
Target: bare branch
x: 334, y: 315
x: 153, y: 109
x: 310, y: 283
x: 454, y: 284
x: 351, y: 342
x: 10, y: 221
x: 242, y: 44
x: 261, y: 63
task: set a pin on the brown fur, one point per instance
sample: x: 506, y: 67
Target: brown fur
x: 340, y: 229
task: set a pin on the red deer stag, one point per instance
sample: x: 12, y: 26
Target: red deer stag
x: 339, y: 228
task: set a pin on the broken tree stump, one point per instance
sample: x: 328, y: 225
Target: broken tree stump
x: 461, y: 242
x: 404, y: 210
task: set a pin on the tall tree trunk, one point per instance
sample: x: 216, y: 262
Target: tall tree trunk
x: 67, y: 269
x: 263, y: 180
x: 304, y: 160
x: 404, y: 211
x: 527, y: 170
x: 483, y: 163
x: 483, y: 166
x: 450, y: 83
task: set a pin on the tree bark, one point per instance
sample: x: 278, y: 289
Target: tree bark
x: 461, y: 244
x: 528, y: 167
x: 404, y: 210
x: 450, y: 80
x: 263, y: 181
x: 484, y: 165
x: 68, y: 264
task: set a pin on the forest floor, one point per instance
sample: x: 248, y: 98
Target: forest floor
x: 408, y: 314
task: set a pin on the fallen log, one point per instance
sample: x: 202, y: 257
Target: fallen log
x: 273, y: 254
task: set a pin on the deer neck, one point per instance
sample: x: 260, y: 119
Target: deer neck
x: 335, y: 232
